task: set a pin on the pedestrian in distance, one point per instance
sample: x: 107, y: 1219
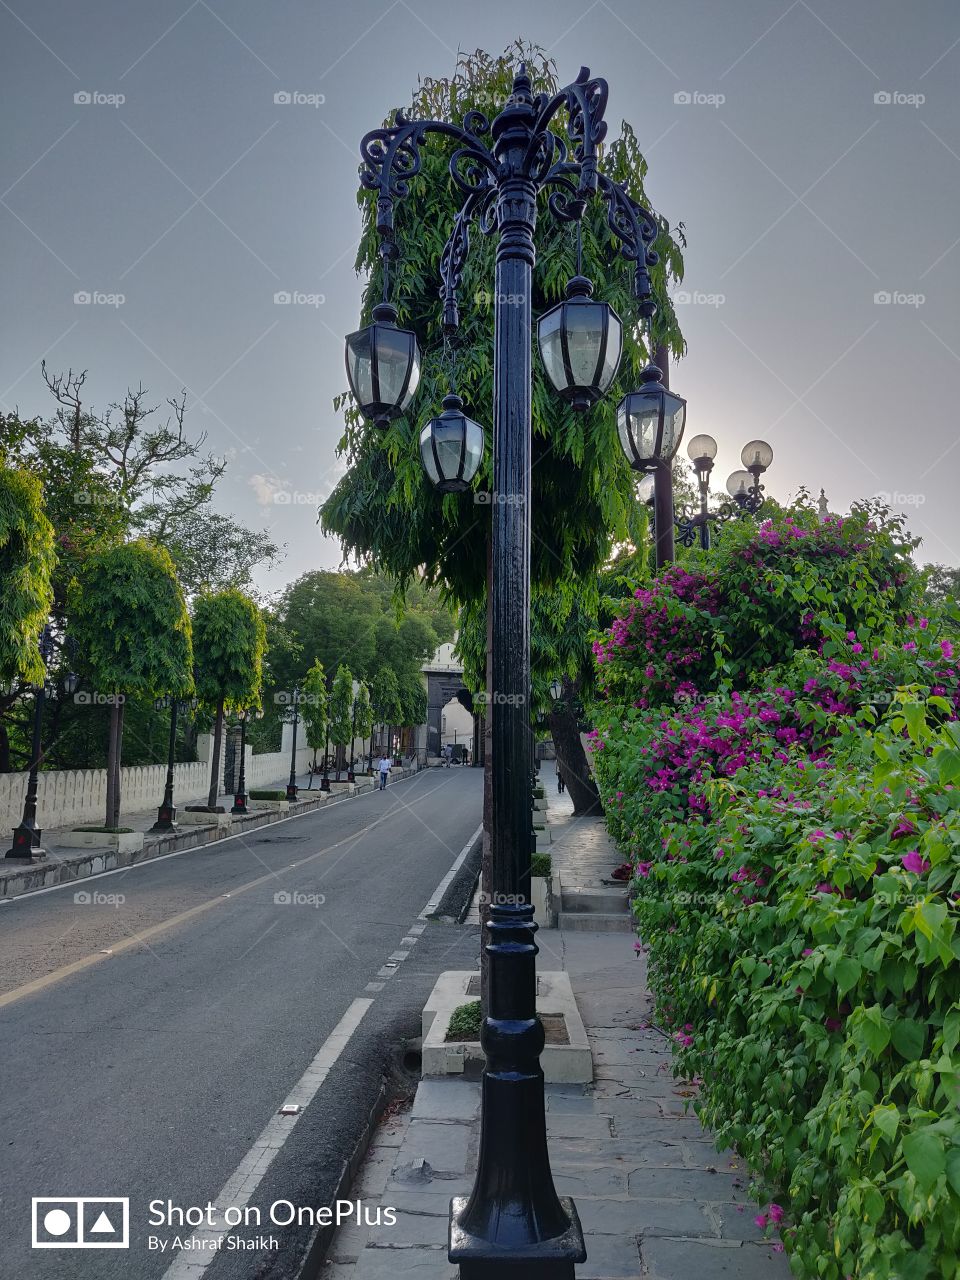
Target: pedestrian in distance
x: 561, y: 785
x: 384, y: 769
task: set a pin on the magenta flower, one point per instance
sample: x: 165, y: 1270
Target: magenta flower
x: 912, y: 861
x: 643, y: 869
x: 761, y: 1220
x: 776, y: 1214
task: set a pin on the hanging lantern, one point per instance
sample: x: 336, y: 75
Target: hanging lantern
x: 383, y: 366
x: 580, y: 344
x: 451, y: 447
x: 650, y: 422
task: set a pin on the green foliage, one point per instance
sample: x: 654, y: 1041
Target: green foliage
x: 465, y: 1022
x: 412, y: 704
x: 541, y: 864
x: 130, y: 622
x: 341, y: 707
x: 268, y: 795
x: 385, y: 698
x: 796, y: 850
x: 364, y: 712
x: 384, y: 509
x: 26, y: 571
x: 229, y: 641
x: 314, y: 707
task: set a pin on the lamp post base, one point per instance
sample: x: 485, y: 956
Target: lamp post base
x: 291, y: 791
x: 26, y: 845
x: 551, y: 1259
x: 166, y: 818
x: 324, y: 784
x: 240, y: 803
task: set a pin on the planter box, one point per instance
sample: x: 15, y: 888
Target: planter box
x: 123, y: 842
x: 569, y: 1063
x: 278, y: 806
x: 203, y: 818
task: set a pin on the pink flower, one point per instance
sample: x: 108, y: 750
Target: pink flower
x: 761, y: 1220
x: 643, y: 869
x: 776, y: 1214
x: 808, y: 951
x: 912, y: 861
x: 946, y: 648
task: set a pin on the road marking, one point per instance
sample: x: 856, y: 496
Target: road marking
x: 135, y: 940
x: 178, y: 853
x: 201, y: 1251
x: 441, y: 888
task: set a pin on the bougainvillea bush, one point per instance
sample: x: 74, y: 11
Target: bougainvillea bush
x: 794, y: 832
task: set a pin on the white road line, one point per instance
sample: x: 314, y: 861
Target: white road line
x: 239, y: 1189
x: 441, y: 888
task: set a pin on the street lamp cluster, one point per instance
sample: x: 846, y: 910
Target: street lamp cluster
x: 743, y: 486
x: 513, y: 1218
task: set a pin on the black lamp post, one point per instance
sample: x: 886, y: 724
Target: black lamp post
x: 513, y: 1223
x: 240, y: 797
x: 292, y: 784
x: 26, y: 836
x: 167, y: 812
x: 650, y: 425
x: 325, y: 780
x: 351, y: 776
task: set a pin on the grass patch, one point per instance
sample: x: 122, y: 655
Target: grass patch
x: 465, y: 1022
x: 107, y: 831
x: 267, y: 795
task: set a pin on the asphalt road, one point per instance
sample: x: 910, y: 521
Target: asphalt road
x: 148, y: 1041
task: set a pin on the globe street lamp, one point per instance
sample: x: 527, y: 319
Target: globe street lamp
x: 743, y: 485
x: 513, y: 1221
x: 702, y: 450
x: 26, y: 837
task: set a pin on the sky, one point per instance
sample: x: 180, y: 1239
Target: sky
x: 170, y: 167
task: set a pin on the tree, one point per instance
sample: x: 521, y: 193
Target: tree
x: 26, y: 574
x: 412, y: 700
x: 314, y: 709
x: 942, y: 584
x: 341, y: 710
x: 385, y: 699
x: 364, y: 713
x: 132, y: 631
x: 229, y: 642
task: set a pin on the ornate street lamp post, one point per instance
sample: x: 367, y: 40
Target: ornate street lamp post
x: 743, y: 486
x: 325, y: 780
x: 292, y: 784
x: 513, y: 1223
x: 167, y: 812
x: 240, y: 797
x: 351, y: 775
x: 26, y: 837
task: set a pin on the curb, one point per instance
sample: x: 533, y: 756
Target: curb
x: 27, y: 879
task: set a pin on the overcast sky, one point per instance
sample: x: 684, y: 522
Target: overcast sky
x: 815, y: 165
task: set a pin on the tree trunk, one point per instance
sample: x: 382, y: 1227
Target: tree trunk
x: 214, y: 794
x: 572, y: 759
x: 486, y: 860
x: 119, y: 756
x: 313, y: 770
x: 113, y: 752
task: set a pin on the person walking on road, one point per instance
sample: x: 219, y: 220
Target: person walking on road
x: 384, y: 768
x: 560, y: 782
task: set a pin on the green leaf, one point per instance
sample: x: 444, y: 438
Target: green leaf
x: 925, y: 1156
x: 848, y: 974
x: 908, y: 1037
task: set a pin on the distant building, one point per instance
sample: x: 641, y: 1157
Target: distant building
x: 448, y: 720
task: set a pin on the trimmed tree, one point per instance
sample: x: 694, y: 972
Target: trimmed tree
x: 132, y: 630
x: 341, y: 710
x: 229, y: 641
x: 385, y: 697
x: 364, y: 714
x: 313, y: 709
x: 26, y: 575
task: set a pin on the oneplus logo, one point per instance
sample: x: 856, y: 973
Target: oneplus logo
x: 81, y: 1222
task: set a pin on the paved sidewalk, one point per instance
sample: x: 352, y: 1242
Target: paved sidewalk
x: 656, y: 1201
